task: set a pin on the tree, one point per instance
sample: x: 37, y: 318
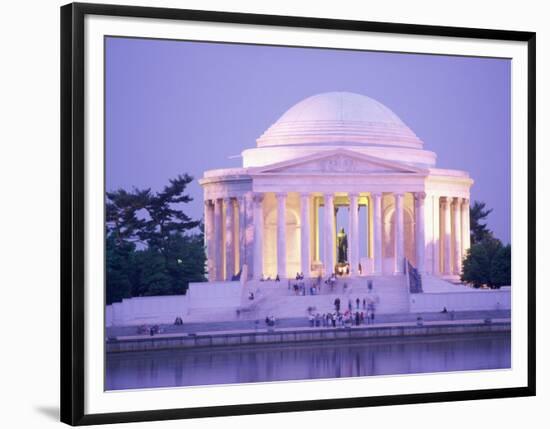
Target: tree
x: 151, y: 248
x: 478, y: 229
x: 165, y: 216
x: 152, y: 278
x: 477, y: 267
x: 501, y: 267
x: 185, y: 261
x: 121, y: 212
x: 119, y: 269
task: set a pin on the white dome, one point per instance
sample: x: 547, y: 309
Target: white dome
x: 339, y: 117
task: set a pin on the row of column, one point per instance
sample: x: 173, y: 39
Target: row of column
x: 220, y: 239
x: 455, y: 233
x: 223, y: 237
x: 419, y: 238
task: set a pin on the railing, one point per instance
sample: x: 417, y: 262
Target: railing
x: 414, y: 278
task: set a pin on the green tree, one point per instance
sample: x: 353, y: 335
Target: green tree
x: 119, y: 260
x: 501, y: 267
x: 185, y: 261
x: 151, y: 276
x: 165, y: 215
x: 121, y: 212
x: 477, y: 266
x: 151, y: 248
x: 478, y: 229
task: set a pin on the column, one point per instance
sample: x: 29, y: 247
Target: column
x: 420, y: 238
x: 399, y: 235
x: 353, y: 244
x: 446, y: 212
x: 258, y: 236
x: 368, y: 238
x: 316, y: 245
x: 218, y: 237
x: 241, y: 208
x: 209, y: 238
x: 457, y: 239
x: 305, y: 256
x: 329, y: 234
x: 377, y: 231
x: 465, y: 226
x: 435, y: 239
x: 249, y: 233
x: 281, y: 235
x: 229, y: 238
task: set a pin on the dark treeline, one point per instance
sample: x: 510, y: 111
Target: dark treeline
x: 488, y: 262
x: 152, y: 246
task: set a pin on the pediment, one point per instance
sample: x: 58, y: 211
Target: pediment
x: 338, y: 162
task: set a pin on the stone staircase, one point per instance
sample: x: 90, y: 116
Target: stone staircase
x: 277, y: 299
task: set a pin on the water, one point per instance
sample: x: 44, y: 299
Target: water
x: 248, y: 364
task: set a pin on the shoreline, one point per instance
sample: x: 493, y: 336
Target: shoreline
x: 217, y: 339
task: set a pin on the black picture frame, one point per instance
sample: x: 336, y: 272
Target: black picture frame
x: 73, y: 211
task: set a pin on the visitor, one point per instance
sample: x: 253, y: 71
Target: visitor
x: 251, y: 296
x: 350, y: 306
x: 270, y: 321
x: 364, y: 303
x: 337, y: 304
x: 333, y: 319
x: 277, y: 278
x: 357, y: 302
x: 311, y: 320
x: 444, y: 310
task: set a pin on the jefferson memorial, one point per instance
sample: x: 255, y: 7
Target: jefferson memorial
x: 338, y: 185
x: 276, y: 216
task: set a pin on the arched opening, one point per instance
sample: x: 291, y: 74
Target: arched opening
x: 388, y: 236
x: 292, y: 243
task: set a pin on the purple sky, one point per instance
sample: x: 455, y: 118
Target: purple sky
x: 182, y: 107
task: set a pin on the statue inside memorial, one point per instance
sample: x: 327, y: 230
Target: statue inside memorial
x: 342, y: 241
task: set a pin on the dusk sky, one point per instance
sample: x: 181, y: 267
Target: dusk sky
x: 185, y: 107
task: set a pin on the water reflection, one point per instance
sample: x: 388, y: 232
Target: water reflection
x: 306, y: 361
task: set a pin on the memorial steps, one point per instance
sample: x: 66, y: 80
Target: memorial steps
x: 279, y: 300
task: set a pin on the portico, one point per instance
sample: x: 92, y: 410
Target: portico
x: 336, y: 151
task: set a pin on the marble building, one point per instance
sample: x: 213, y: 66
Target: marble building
x: 345, y: 152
